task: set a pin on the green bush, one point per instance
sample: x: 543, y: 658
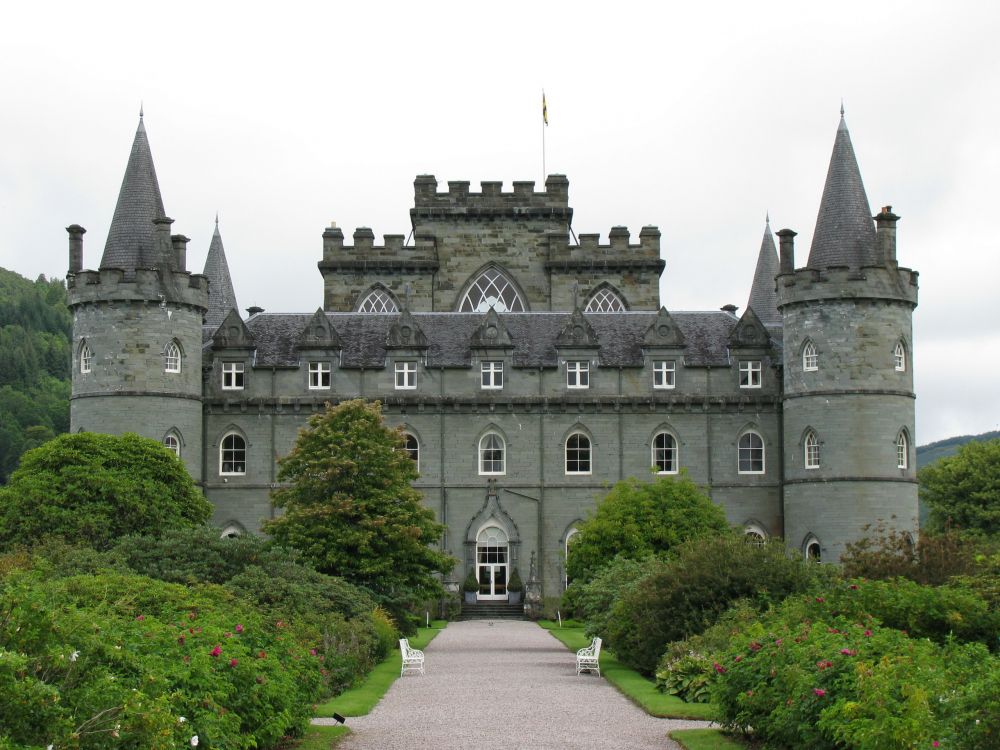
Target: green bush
x: 116, y: 660
x: 695, y: 586
x: 592, y: 601
x: 933, y: 559
x: 838, y: 683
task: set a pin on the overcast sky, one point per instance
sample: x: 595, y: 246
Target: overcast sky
x: 696, y: 117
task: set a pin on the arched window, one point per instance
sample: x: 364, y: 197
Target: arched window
x: 233, y: 454
x: 810, y: 357
x: 812, y: 550
x: 605, y: 300
x: 811, y: 450
x: 491, y: 454
x: 173, y: 442
x: 492, y: 563
x: 751, y: 453
x: 492, y: 289
x: 899, y: 357
x: 412, y: 448
x: 378, y: 300
x: 172, y: 357
x: 86, y: 357
x: 755, y: 535
x: 578, y: 454
x: 902, y: 450
x: 232, y: 531
x: 664, y: 453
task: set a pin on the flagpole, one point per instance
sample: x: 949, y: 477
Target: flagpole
x: 544, y: 123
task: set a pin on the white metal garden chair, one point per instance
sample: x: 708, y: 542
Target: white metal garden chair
x: 587, y: 659
x: 413, y: 659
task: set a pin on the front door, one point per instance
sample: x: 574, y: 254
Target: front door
x: 491, y: 561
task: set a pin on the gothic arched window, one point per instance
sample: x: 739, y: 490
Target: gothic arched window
x: 899, y: 357
x: 492, y: 289
x: 810, y: 357
x: 491, y: 454
x: 811, y: 450
x: 233, y: 454
x: 172, y: 442
x: 86, y: 358
x: 902, y: 450
x: 172, y: 357
x: 751, y: 453
x: 378, y: 300
x: 665, y: 453
x: 605, y: 300
x: 578, y: 454
x: 412, y: 447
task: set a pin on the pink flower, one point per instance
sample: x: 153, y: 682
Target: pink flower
x: 777, y: 642
x: 820, y: 600
x: 935, y: 743
x: 719, y: 668
x: 140, y: 618
x: 239, y: 628
x: 824, y: 664
x: 754, y: 646
x: 848, y: 652
x: 819, y: 692
x: 233, y: 662
x: 215, y: 651
x: 262, y: 654
x: 739, y: 657
x: 854, y: 587
x: 312, y: 652
x: 868, y: 634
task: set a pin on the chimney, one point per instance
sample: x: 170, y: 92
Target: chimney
x: 885, y: 235
x: 76, y: 233
x: 163, y: 248
x: 731, y: 309
x: 333, y: 241
x: 786, y: 252
x: 179, y: 242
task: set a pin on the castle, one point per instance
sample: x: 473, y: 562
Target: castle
x: 529, y: 371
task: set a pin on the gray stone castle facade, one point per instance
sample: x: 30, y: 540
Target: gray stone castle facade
x: 529, y: 369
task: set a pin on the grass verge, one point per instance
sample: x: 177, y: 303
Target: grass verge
x: 359, y: 700
x: 706, y: 739
x: 319, y: 738
x: 630, y: 683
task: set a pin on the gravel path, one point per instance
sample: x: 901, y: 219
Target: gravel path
x: 509, y: 684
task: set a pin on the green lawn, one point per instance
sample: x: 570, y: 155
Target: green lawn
x: 320, y: 738
x: 359, y: 700
x: 706, y: 739
x: 630, y: 683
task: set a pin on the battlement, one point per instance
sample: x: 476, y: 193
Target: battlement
x: 888, y: 282
x: 364, y: 253
x: 110, y: 285
x: 491, y: 201
x: 618, y: 251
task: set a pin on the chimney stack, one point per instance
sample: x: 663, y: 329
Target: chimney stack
x: 885, y: 235
x: 76, y: 233
x: 786, y: 252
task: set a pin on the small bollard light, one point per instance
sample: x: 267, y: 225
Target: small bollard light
x: 338, y: 718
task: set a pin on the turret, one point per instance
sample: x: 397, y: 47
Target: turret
x: 848, y: 402
x: 137, y: 322
x: 763, y: 298
x: 221, y: 297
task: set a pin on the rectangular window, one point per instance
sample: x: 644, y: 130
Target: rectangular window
x: 578, y: 374
x: 492, y: 374
x: 319, y: 375
x: 232, y: 376
x: 406, y: 375
x: 664, y: 374
x: 750, y: 374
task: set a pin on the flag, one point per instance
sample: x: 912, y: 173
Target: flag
x: 545, y: 110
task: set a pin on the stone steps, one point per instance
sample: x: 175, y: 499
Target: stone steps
x: 492, y: 611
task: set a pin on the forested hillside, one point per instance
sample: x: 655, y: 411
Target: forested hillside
x: 34, y: 365
x: 928, y: 454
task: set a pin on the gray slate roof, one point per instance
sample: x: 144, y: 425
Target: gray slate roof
x: 130, y: 238
x: 845, y: 231
x: 533, y: 335
x: 763, y: 295
x: 221, y: 297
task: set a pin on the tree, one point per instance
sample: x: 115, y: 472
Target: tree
x: 965, y: 488
x: 93, y: 489
x: 637, y: 519
x: 350, y: 508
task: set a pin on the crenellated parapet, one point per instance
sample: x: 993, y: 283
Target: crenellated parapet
x: 110, y: 285
x: 365, y: 255
x: 886, y: 283
x: 618, y: 253
x: 523, y: 201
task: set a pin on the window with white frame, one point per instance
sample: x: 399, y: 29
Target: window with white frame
x: 406, y: 376
x: 492, y: 374
x: 811, y: 451
x: 86, y: 358
x: 378, y: 301
x: 172, y: 357
x: 578, y: 454
x: 665, y: 453
x: 233, y: 455
x: 664, y: 373
x: 750, y: 373
x: 319, y: 375
x: 577, y: 374
x: 902, y: 451
x: 899, y: 357
x: 492, y: 454
x: 412, y: 448
x: 754, y: 535
x: 751, y: 453
x: 810, y: 357
x: 812, y: 550
x: 492, y: 290
x: 173, y: 443
x: 233, y: 376
x: 605, y: 300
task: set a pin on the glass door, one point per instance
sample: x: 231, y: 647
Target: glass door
x: 491, y: 561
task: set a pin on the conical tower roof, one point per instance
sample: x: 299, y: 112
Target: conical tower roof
x: 221, y: 297
x: 130, y: 238
x: 845, y: 232
x: 763, y: 295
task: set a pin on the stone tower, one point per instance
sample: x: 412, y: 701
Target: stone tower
x: 848, y: 401
x: 137, y: 323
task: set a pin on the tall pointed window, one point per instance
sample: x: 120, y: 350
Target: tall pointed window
x: 378, y: 300
x: 172, y: 357
x: 491, y: 454
x: 665, y: 453
x: 751, y: 453
x: 810, y: 357
x: 86, y: 358
x: 902, y: 450
x: 578, y: 454
x: 605, y: 300
x: 492, y: 289
x: 173, y: 443
x: 899, y: 357
x: 811, y: 449
x: 233, y: 454
x: 412, y: 448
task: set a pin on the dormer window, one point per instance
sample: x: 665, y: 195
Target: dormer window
x: 664, y: 373
x: 577, y: 374
x: 319, y: 376
x: 750, y: 374
x: 233, y: 376
x: 406, y: 376
x: 491, y: 374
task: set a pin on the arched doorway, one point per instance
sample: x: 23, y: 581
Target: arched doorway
x: 492, y: 550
